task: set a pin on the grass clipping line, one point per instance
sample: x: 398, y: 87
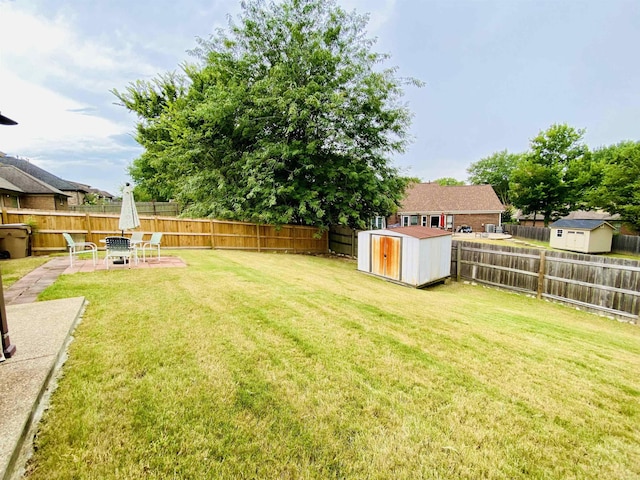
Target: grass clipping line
x: 249, y: 365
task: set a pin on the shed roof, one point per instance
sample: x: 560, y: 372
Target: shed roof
x: 433, y: 197
x: 581, y: 224
x: 421, y: 232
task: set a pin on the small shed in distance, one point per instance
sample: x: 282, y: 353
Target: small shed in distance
x: 585, y: 236
x: 414, y: 256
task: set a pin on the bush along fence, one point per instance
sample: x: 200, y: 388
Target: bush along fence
x: 620, y: 243
x: 605, y: 285
x: 177, y: 232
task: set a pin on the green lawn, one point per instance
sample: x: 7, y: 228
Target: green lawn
x: 248, y: 365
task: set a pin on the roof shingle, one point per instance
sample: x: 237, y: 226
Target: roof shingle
x: 435, y: 198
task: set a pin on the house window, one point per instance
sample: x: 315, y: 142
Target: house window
x: 378, y: 223
x: 414, y: 219
x: 435, y: 221
x: 449, y: 222
x: 405, y: 221
x: 558, y: 233
x: 424, y: 221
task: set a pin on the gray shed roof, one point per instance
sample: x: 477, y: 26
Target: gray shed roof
x: 40, y: 174
x: 584, y: 224
x: 27, y: 183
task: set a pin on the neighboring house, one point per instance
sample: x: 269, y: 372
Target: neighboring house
x: 34, y: 193
x: 87, y: 189
x: 586, y: 236
x: 9, y: 194
x: 614, y: 220
x: 449, y: 207
x: 75, y: 192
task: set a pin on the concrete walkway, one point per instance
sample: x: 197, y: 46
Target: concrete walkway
x: 41, y: 332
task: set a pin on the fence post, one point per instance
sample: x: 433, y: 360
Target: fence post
x: 458, y: 261
x: 88, y: 227
x: 213, y: 234
x: 294, y: 229
x: 541, y: 274
x: 258, y: 235
x: 5, y: 216
x: 353, y: 243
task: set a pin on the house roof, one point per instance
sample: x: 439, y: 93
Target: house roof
x: 435, y: 198
x: 7, y: 186
x: 40, y: 174
x: 27, y: 183
x: 584, y: 224
x: 421, y: 232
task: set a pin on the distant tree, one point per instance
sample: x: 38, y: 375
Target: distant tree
x: 618, y: 168
x: 545, y: 180
x: 448, y: 181
x: 288, y: 118
x: 495, y: 170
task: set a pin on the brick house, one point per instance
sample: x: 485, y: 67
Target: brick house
x: 75, y: 192
x: 449, y: 207
x: 21, y: 190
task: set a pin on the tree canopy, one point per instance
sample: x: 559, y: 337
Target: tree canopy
x: 617, y: 190
x: 546, y: 180
x: 495, y: 170
x: 448, y: 181
x: 288, y: 116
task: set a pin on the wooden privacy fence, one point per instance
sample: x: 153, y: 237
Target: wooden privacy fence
x: 343, y: 241
x: 602, y: 284
x: 177, y: 232
x: 541, y: 234
x: 165, y: 209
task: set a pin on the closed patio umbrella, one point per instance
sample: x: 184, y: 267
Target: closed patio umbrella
x: 128, y: 214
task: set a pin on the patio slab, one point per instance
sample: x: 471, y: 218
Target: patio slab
x: 41, y: 332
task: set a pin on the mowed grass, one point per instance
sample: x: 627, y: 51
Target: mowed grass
x: 250, y: 365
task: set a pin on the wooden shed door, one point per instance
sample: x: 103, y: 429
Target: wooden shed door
x: 385, y: 256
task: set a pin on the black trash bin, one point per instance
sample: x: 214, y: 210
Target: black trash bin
x: 15, y: 238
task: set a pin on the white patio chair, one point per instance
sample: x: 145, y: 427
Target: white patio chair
x: 137, y: 238
x: 120, y: 247
x: 78, y: 248
x: 153, y: 243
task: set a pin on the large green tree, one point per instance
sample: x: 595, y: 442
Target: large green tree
x: 547, y: 180
x: 618, y: 169
x: 448, y: 181
x: 288, y: 116
x: 495, y: 170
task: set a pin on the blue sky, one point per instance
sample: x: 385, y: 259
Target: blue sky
x: 496, y: 71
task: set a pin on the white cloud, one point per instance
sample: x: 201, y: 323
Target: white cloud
x: 49, y: 121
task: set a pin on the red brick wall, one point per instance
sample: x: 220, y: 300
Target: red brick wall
x: 475, y: 221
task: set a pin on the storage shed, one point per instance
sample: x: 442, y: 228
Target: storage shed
x: 415, y: 256
x: 585, y: 236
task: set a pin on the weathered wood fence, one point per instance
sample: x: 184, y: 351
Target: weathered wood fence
x: 177, y: 232
x: 343, y: 241
x: 602, y: 284
x: 540, y: 234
